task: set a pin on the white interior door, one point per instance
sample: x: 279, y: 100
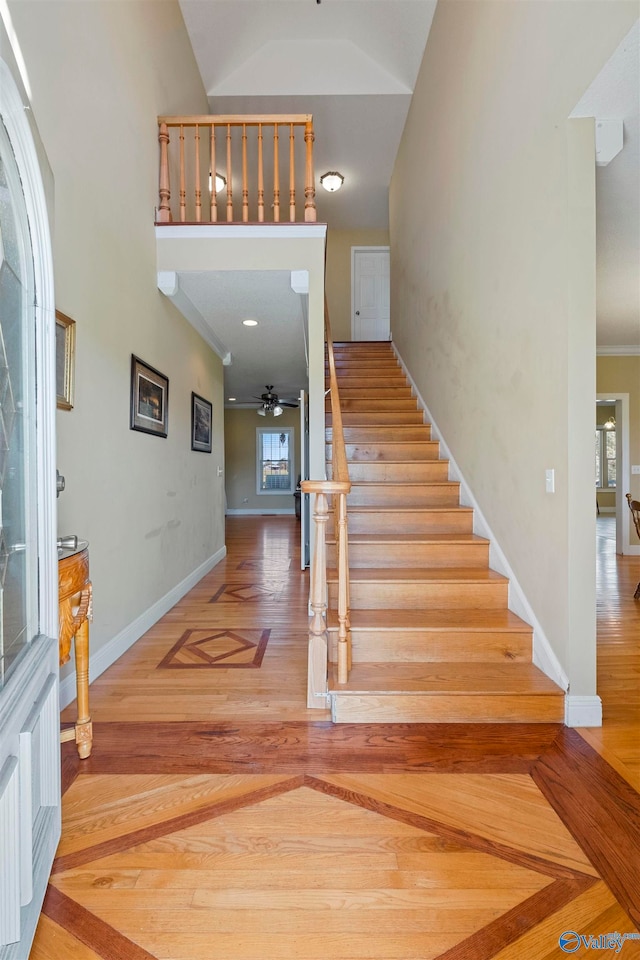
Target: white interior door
x: 370, y: 293
x: 29, y: 716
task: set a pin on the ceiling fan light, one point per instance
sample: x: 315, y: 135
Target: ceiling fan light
x: 277, y: 410
x: 332, y: 180
x: 262, y: 412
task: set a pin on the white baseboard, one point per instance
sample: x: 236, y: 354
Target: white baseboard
x: 543, y: 654
x: 266, y: 512
x: 111, y: 651
x: 607, y: 510
x: 582, y: 711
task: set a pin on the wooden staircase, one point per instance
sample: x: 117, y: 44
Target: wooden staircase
x: 432, y: 637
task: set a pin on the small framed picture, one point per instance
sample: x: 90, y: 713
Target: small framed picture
x: 149, y: 399
x: 65, y: 360
x: 201, y: 421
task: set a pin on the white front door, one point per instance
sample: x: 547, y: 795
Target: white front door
x: 29, y: 717
x: 370, y: 293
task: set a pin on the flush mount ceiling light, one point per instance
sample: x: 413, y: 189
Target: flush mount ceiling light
x: 332, y: 181
x: 250, y: 323
x: 221, y: 182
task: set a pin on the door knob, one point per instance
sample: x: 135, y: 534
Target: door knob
x: 357, y: 313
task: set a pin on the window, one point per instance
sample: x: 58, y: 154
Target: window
x: 605, y: 458
x: 274, y: 460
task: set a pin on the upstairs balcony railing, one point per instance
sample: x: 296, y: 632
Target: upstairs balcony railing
x: 194, y: 149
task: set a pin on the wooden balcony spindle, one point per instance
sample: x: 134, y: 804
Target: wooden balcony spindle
x: 183, y: 191
x: 198, y: 185
x: 260, y: 177
x: 164, y: 210
x: 214, y: 195
x: 229, y: 185
x: 245, y: 182
x: 276, y: 176
x: 292, y: 175
x: 309, y: 186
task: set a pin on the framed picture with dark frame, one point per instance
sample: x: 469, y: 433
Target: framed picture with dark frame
x: 201, y: 424
x: 149, y: 399
x: 65, y: 360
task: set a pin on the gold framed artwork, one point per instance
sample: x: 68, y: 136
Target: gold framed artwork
x: 65, y: 360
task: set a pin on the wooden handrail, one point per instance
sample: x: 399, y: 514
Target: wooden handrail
x: 337, y: 488
x: 193, y: 159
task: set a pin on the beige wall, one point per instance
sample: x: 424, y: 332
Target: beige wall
x: 622, y: 375
x: 240, y: 458
x: 339, y: 244
x: 151, y: 509
x: 493, y: 299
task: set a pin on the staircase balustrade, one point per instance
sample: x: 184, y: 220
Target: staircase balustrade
x: 337, y: 488
x: 188, y: 150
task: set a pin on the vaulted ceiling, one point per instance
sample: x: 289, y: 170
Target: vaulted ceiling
x: 353, y: 65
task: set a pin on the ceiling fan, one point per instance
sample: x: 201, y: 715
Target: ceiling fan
x: 272, y: 404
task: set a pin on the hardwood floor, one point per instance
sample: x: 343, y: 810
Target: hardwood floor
x: 219, y: 818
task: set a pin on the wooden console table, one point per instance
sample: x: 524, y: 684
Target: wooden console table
x: 74, y: 604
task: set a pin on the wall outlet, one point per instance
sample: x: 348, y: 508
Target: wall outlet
x: 635, y: 468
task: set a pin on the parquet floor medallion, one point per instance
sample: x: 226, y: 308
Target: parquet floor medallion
x: 313, y: 867
x: 241, y: 592
x: 218, y: 648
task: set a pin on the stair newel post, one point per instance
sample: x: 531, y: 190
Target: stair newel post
x: 292, y: 175
x: 343, y: 591
x: 245, y: 182
x: 214, y: 192
x: 260, y: 177
x: 276, y: 175
x: 183, y: 189
x: 309, y: 185
x: 229, y: 184
x: 198, y: 188
x: 318, y: 648
x: 164, y: 210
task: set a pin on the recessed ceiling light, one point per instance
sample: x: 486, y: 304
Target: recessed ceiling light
x: 230, y: 399
x: 250, y: 323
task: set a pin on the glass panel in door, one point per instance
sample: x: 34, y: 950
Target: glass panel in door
x: 18, y: 555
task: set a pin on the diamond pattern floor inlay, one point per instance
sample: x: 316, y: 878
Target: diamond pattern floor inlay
x: 185, y: 887
x: 217, y: 648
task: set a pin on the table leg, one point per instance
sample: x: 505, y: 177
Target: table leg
x: 84, y: 733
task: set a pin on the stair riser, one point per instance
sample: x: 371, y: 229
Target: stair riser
x: 418, y: 431
x: 420, y: 521
x: 396, y: 495
x: 402, y: 708
x: 381, y: 452
x: 390, y: 595
x: 371, y: 382
x: 376, y: 392
x: 402, y: 646
x: 372, y: 555
x: 381, y: 418
x: 427, y: 471
x: 375, y: 405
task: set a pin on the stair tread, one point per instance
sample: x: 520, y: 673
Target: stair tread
x: 405, y: 483
x: 412, y: 538
x: 420, y: 574
x: 445, y: 678
x: 409, y: 509
x: 460, y: 620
